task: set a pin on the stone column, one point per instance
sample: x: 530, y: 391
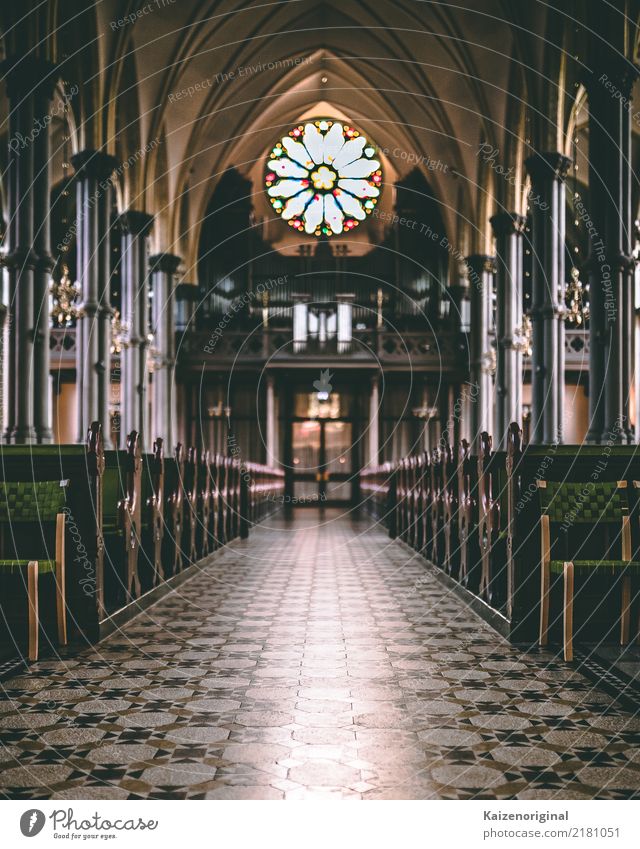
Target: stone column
x: 186, y: 298
x: 374, y: 422
x: 5, y: 343
x: 508, y: 228
x: 345, y: 322
x: 548, y: 171
x: 271, y: 424
x: 30, y: 84
x: 480, y: 269
x: 300, y: 322
x: 610, y: 265
x: 135, y: 226
x: 93, y: 330
x: 163, y: 270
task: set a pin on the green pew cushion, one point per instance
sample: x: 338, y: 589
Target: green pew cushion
x: 31, y: 501
x: 599, y: 567
x: 584, y: 503
x: 15, y: 566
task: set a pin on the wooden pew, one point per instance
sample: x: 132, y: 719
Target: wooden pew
x: 172, y: 557
x: 402, y: 498
x: 424, y: 485
x: 413, y: 499
x: 419, y: 505
x: 190, y: 504
x: 151, y: 568
x: 492, y: 523
x: 525, y: 466
x: 32, y: 549
x: 223, y: 499
x: 122, y: 523
x: 262, y: 493
x: 205, y: 510
x: 81, y: 466
x: 468, y: 518
x: 436, y: 534
x: 378, y: 493
x: 450, y: 512
x: 233, y: 498
x: 215, y: 475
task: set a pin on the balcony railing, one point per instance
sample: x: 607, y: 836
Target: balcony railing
x: 62, y: 345
x: 366, y: 348
x: 576, y: 349
x: 444, y: 350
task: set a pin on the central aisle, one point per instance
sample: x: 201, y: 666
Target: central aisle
x: 316, y: 659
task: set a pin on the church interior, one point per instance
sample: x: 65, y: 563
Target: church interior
x: 319, y: 399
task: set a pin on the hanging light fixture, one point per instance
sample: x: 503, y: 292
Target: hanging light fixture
x: 577, y: 312
x: 65, y: 294
x: 155, y: 360
x: 118, y: 333
x: 489, y: 361
x: 522, y: 337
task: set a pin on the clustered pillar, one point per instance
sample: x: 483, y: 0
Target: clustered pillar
x: 163, y: 271
x: 135, y: 226
x: 480, y: 269
x: 548, y: 171
x: 610, y: 265
x: 508, y: 228
x: 30, y: 84
x: 93, y: 334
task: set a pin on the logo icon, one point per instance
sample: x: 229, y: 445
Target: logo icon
x: 32, y: 822
x: 323, y: 386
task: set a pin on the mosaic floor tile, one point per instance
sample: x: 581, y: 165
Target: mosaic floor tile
x: 315, y: 660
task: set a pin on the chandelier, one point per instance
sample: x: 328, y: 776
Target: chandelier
x: 155, y: 360
x: 425, y: 412
x: 489, y: 361
x: 119, y: 331
x: 522, y: 337
x: 65, y: 308
x: 577, y: 312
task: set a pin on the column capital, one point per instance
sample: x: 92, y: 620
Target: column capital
x: 187, y: 292
x: 135, y: 223
x: 547, y: 165
x: 167, y: 263
x: 481, y: 262
x: 94, y: 163
x: 25, y: 75
x: 506, y: 223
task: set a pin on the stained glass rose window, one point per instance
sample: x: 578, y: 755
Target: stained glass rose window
x: 323, y: 178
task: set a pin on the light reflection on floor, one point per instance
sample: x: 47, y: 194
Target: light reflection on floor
x: 318, y: 659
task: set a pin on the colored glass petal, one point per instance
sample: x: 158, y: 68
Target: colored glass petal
x: 313, y: 214
x: 359, y: 188
x: 333, y: 214
x: 351, y: 151
x: 333, y: 142
x: 360, y: 168
x: 285, y: 188
x: 295, y: 206
x: 286, y: 168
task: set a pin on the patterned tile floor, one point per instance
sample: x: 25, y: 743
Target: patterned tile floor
x: 317, y: 659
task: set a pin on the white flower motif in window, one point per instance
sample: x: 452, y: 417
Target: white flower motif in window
x: 323, y: 178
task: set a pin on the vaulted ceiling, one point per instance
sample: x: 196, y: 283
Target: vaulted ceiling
x: 199, y: 87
